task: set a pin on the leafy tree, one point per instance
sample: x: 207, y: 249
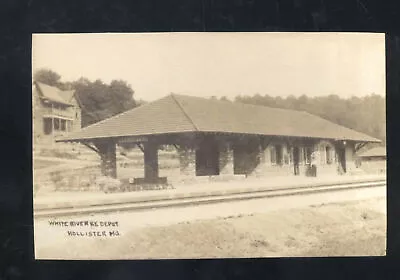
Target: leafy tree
x: 101, y: 101
x: 122, y: 95
x: 140, y: 102
x: 47, y: 76
x: 366, y: 114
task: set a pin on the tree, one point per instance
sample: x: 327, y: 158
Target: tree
x: 366, y: 114
x: 140, y: 102
x: 122, y: 95
x: 47, y: 76
x: 101, y: 101
x: 291, y: 102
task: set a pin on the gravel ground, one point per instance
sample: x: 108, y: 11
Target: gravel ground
x: 306, y: 228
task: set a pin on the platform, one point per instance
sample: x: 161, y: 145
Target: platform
x: 71, y: 199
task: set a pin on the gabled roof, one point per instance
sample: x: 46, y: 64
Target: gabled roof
x: 374, y: 152
x: 179, y: 113
x: 54, y: 94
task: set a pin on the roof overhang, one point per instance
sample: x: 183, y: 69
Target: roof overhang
x: 146, y: 137
x: 49, y: 101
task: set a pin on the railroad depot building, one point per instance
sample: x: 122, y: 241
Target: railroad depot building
x: 224, y: 139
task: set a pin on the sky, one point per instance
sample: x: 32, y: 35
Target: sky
x: 220, y: 64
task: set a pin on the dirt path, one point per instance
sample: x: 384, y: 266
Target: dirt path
x: 60, y: 164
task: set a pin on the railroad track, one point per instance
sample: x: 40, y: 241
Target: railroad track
x: 189, y: 201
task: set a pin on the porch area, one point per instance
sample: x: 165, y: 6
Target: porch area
x: 205, y: 157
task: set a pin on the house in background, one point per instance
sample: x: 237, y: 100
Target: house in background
x: 55, y: 113
x: 372, y: 160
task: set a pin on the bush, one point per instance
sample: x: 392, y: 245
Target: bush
x: 108, y: 184
x: 56, y: 179
x: 43, y: 187
x: 84, y: 183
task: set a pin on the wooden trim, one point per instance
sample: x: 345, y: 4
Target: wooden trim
x: 91, y: 147
x: 140, y: 147
x: 176, y: 147
x: 57, y: 117
x: 267, y: 142
x: 359, y: 146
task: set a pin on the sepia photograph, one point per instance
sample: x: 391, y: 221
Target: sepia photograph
x: 208, y: 145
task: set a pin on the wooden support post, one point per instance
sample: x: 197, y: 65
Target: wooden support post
x: 150, y: 162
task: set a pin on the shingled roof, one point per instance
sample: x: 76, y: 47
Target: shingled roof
x: 54, y: 94
x: 374, y: 152
x: 179, y: 113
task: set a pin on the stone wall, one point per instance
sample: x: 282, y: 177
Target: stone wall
x: 323, y: 166
x: 187, y: 161
x: 108, y: 158
x: 253, y: 158
x: 225, y: 160
x: 263, y: 158
x: 150, y: 156
x: 266, y: 168
x: 350, y: 155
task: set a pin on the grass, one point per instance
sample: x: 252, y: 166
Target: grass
x: 326, y: 230
x: 57, y: 154
x: 39, y: 163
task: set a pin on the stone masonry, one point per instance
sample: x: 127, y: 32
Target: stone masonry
x: 150, y: 161
x: 108, y: 159
x: 263, y: 160
x: 350, y: 158
x: 226, y: 160
x: 187, y: 161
